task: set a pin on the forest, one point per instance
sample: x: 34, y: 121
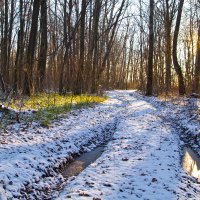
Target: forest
x: 86, y: 46
x: 100, y: 99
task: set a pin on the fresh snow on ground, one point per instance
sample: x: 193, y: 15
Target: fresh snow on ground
x: 141, y: 161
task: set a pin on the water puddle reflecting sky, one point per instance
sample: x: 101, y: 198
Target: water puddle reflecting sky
x: 81, y: 162
x: 191, y: 163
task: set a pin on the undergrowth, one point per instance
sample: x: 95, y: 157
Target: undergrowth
x: 47, y: 107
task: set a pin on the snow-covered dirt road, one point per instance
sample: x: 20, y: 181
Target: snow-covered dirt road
x: 141, y: 161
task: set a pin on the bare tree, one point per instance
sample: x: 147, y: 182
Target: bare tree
x: 196, y: 86
x: 78, y: 46
x: 28, y: 82
x: 43, y: 46
x: 149, y: 89
x: 177, y: 67
x: 79, y: 88
x: 169, y: 11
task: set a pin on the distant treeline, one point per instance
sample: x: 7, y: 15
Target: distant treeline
x: 82, y: 46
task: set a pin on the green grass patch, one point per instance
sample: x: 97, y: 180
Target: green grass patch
x: 51, y: 106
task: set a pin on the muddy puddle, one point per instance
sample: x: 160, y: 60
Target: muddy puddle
x: 191, y: 163
x: 81, y: 162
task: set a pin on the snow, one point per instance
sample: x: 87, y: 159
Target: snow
x: 141, y: 161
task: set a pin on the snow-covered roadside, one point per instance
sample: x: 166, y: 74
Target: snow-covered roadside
x: 184, y: 114
x: 29, y: 156
x: 141, y: 162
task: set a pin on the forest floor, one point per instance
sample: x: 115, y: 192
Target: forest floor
x: 142, y: 159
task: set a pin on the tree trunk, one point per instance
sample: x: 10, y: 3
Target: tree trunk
x: 168, y: 60
x: 149, y: 89
x: 96, y: 15
x: 4, y: 52
x: 79, y: 88
x: 15, y: 89
x: 61, y: 75
x: 196, y: 87
x: 177, y: 67
x: 43, y: 45
x: 10, y: 33
x: 20, y: 51
x: 28, y: 82
x: 141, y: 72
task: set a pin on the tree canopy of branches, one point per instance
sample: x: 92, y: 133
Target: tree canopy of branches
x: 80, y: 46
